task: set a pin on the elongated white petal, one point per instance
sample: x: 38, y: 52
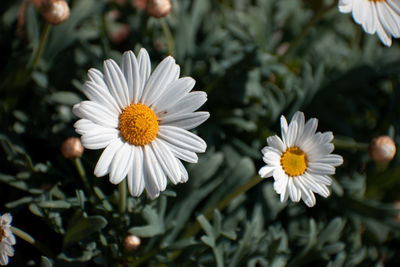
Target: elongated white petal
x: 116, y: 83
x: 130, y: 69
x: 182, y: 138
x: 101, y: 95
x: 189, y: 103
x: 266, y: 171
x: 159, y: 80
x: 174, y: 92
x: 275, y: 142
x: 186, y: 121
x: 103, y: 164
x: 167, y: 160
x: 97, y: 113
x: 156, y: 180
x: 121, y: 164
x: 136, y: 174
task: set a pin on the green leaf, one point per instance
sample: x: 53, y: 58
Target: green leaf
x: 83, y: 228
x: 55, y: 204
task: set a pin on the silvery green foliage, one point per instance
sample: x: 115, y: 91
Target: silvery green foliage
x: 235, y: 49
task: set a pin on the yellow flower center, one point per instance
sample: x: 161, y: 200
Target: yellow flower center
x: 294, y: 161
x: 138, y: 124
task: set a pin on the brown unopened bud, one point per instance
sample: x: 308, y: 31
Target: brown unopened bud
x: 72, y: 148
x: 158, y: 8
x: 55, y: 11
x: 131, y: 243
x: 382, y: 149
x: 140, y: 4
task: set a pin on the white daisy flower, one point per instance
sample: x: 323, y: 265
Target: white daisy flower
x: 301, y: 161
x: 7, y: 239
x: 142, y: 121
x: 375, y: 16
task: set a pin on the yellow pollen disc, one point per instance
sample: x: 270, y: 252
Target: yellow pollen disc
x: 294, y: 161
x: 138, y: 124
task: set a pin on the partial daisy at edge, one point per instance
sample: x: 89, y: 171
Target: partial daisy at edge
x: 375, y: 16
x: 301, y: 162
x: 142, y: 120
x: 7, y: 239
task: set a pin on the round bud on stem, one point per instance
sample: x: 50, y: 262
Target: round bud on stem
x: 131, y: 243
x: 158, y: 8
x: 72, y: 148
x: 382, y: 149
x: 55, y: 11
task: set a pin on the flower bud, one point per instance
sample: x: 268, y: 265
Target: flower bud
x: 140, y: 4
x: 55, y: 11
x: 158, y: 8
x: 72, y: 148
x: 382, y: 149
x: 131, y: 243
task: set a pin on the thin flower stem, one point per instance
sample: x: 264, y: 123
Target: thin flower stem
x: 122, y: 196
x: 43, y: 39
x: 317, y: 17
x: 82, y: 174
x: 28, y: 238
x: 350, y: 145
x: 168, y: 37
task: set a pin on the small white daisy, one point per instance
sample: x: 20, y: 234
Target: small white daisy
x: 142, y: 121
x: 301, y: 161
x: 380, y: 16
x: 7, y: 239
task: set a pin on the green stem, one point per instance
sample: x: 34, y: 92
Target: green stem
x: 28, y: 238
x: 43, y: 39
x: 350, y: 145
x: 85, y: 181
x: 122, y: 196
x: 317, y: 16
x: 168, y: 37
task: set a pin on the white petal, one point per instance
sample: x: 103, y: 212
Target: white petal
x: 331, y: 159
x: 121, y: 164
x: 186, y: 121
x: 99, y: 140
x: 275, y: 142
x: 291, y: 134
x: 298, y: 117
x: 6, y: 219
x: 101, y: 95
x: 359, y: 11
x: 389, y: 20
x: 371, y: 21
x: 182, y: 138
x: 272, y: 158
x: 306, y: 194
x: 116, y: 83
x: 345, y: 6
x: 189, y: 103
x: 284, y: 129
x: 136, y: 178
x: 395, y: 5
x: 144, y: 68
x: 103, y: 164
x: 156, y: 180
x: 294, y: 192
x: 167, y: 160
x: 96, y: 77
x: 385, y: 37
x: 320, y: 168
x: 184, y: 173
x: 130, y: 69
x: 159, y: 80
x: 174, y: 92
x: 97, y: 113
x: 266, y: 171
x: 309, y: 130
x: 181, y: 153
